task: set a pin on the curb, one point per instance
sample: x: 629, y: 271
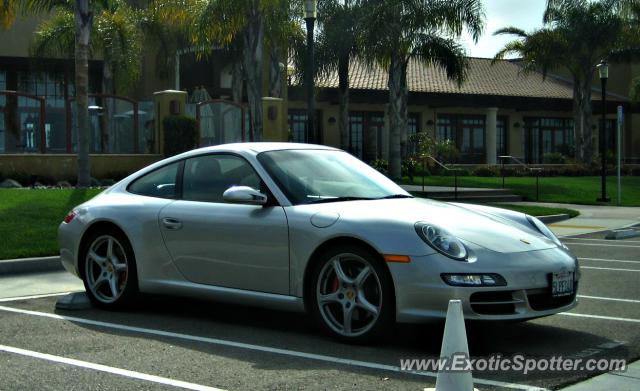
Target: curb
x: 30, y: 265
x: 550, y: 219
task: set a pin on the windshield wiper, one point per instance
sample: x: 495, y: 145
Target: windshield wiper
x: 338, y: 199
x: 394, y: 196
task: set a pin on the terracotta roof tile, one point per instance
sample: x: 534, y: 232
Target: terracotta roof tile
x: 503, y: 78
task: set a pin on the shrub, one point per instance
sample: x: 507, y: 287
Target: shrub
x: 486, y: 171
x: 409, y: 166
x: 180, y: 134
x: 553, y: 158
x: 381, y: 165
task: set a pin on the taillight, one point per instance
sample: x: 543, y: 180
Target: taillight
x: 69, y: 217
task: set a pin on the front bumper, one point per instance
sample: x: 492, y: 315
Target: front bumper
x: 422, y: 295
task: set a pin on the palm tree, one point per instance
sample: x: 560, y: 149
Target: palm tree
x: 399, y: 31
x: 576, y: 36
x: 336, y: 45
x: 117, y: 36
x: 83, y: 17
x: 218, y: 23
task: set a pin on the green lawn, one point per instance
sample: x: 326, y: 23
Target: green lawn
x: 576, y: 190
x: 30, y: 219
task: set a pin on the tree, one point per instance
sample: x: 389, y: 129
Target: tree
x: 576, y: 36
x: 336, y: 45
x: 83, y: 17
x: 117, y: 36
x: 399, y: 31
x: 219, y: 23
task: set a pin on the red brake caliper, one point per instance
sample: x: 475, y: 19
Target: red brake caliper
x: 335, y: 284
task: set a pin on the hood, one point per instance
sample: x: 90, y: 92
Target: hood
x: 491, y: 232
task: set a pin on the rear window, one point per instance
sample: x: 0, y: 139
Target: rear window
x: 159, y: 183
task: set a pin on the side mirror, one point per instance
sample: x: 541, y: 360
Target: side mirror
x: 244, y: 195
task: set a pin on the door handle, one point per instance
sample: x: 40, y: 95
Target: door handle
x: 171, y: 223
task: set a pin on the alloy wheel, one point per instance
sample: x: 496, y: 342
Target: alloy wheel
x: 107, y: 269
x: 349, y: 295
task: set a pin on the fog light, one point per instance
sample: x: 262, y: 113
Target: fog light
x: 474, y: 279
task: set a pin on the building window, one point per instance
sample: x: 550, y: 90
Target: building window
x: 356, y: 127
x: 298, y: 125
x: 544, y: 136
x: 502, y: 131
x: 413, y: 124
x: 467, y: 132
x: 610, y: 133
x: 366, y: 135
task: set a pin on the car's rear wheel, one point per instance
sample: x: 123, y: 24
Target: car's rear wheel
x: 352, y: 294
x: 109, y: 272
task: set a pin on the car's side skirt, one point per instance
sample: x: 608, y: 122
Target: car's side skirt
x: 227, y: 295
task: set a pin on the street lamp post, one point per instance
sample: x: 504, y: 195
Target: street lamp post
x: 603, y: 70
x: 310, y: 18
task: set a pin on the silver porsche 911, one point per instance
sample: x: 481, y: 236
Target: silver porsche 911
x: 308, y: 227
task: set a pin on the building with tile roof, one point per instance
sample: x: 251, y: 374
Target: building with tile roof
x: 528, y: 115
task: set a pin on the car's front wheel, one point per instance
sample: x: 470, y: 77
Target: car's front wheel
x: 109, y: 272
x: 352, y: 294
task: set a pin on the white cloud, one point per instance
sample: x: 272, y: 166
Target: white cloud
x: 524, y: 14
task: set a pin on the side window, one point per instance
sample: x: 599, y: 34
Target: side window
x: 158, y: 183
x: 207, y: 177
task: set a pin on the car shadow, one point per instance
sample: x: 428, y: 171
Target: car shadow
x: 298, y: 332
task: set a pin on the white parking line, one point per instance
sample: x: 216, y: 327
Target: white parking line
x: 609, y: 260
x: 293, y: 353
x: 608, y: 298
x: 600, y: 317
x: 608, y: 268
x: 18, y: 298
x: 104, y: 368
x: 599, y: 245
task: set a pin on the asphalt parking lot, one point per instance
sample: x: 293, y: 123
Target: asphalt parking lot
x: 173, y: 342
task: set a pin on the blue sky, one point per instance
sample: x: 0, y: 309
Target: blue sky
x: 525, y: 14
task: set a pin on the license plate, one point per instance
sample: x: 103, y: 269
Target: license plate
x: 561, y: 284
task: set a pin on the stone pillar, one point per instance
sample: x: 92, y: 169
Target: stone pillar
x: 274, y: 119
x: 490, y: 141
x: 167, y: 103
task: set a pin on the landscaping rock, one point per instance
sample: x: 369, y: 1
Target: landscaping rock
x: 38, y: 185
x: 64, y: 184
x: 9, y: 184
x: 107, y: 182
x: 95, y: 182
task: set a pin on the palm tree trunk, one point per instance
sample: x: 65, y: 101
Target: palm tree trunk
x: 275, y: 73
x: 582, y: 112
x: 587, y: 115
x: 343, y: 97
x: 397, y: 115
x: 83, y: 22
x: 237, y: 80
x: 252, y: 62
x: 108, y: 87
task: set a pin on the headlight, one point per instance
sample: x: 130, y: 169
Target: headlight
x: 442, y: 241
x: 543, y: 229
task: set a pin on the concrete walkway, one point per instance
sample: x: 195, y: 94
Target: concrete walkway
x: 592, y: 218
x: 627, y: 381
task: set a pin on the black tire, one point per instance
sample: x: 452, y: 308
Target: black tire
x: 127, y: 285
x: 328, y: 317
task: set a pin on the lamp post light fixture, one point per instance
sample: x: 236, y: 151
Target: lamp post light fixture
x: 310, y: 13
x: 603, y: 70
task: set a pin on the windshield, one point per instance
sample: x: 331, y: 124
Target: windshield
x: 311, y: 176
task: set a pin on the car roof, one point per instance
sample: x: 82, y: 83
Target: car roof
x: 258, y: 147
